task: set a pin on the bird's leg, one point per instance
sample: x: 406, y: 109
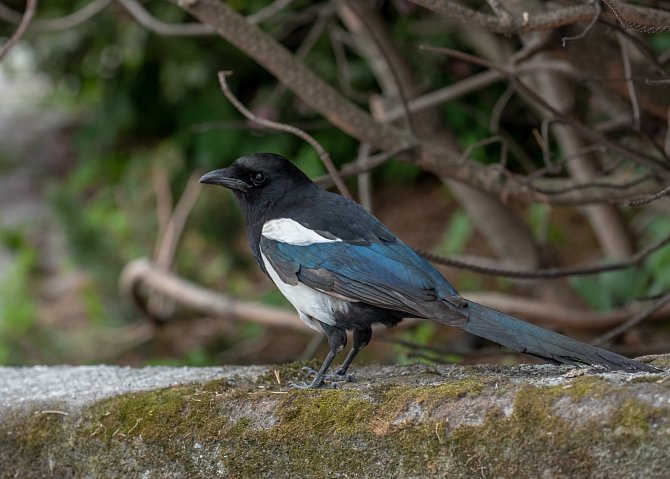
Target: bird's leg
x: 361, y: 338
x: 337, y: 339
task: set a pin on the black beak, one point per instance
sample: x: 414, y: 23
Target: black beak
x: 224, y: 177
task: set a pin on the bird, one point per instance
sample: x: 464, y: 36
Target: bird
x: 344, y: 271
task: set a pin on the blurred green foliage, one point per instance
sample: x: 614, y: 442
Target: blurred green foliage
x: 18, y: 304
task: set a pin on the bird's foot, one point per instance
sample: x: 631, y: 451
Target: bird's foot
x: 336, y: 378
x: 343, y: 375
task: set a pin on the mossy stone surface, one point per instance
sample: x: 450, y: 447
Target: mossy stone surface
x: 410, y: 421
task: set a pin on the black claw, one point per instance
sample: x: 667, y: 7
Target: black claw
x: 339, y: 375
x: 335, y: 379
x: 315, y: 385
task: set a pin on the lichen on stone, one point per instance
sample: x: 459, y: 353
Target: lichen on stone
x: 418, y: 421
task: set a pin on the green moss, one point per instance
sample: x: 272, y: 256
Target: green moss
x: 341, y: 427
x: 323, y: 412
x: 189, y: 413
x: 662, y: 361
x: 582, y: 387
x: 42, y: 427
x: 546, y: 444
x: 634, y: 418
x: 257, y: 430
x: 343, y: 430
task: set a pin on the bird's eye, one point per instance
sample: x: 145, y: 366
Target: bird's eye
x: 258, y: 178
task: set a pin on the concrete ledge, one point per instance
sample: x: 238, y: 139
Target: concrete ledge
x: 409, y: 421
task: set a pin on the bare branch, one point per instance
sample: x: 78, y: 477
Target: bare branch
x: 160, y: 27
x: 31, y: 6
x: 168, y: 243
x: 354, y: 121
x: 269, y: 11
x: 627, y: 14
x: 364, y: 178
x: 646, y: 313
x: 643, y: 19
x: 588, y: 133
x: 379, y: 48
x: 323, y: 154
x: 645, y: 199
x: 443, y: 95
x: 357, y: 167
x: 55, y: 24
x: 499, y: 107
x: 485, y: 142
x: 142, y: 274
x: 512, y: 23
x: 625, y: 56
x: 163, y: 194
x: 589, y: 27
x: 303, y: 50
x: 498, y: 8
x: 550, y: 273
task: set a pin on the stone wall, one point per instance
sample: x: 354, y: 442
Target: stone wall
x: 410, y: 421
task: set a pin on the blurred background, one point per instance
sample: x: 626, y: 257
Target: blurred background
x: 107, y: 117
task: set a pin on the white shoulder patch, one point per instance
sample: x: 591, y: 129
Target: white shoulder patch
x: 289, y: 231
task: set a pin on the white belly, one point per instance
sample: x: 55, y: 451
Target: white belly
x: 309, y: 302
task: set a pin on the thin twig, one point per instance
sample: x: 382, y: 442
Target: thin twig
x: 556, y: 166
x: 303, y: 50
x: 355, y: 168
x: 645, y: 199
x: 160, y: 27
x: 498, y: 8
x: 544, y: 144
x: 499, y: 107
x: 643, y: 159
x: 643, y: 48
x: 323, y: 154
x: 163, y: 193
x: 595, y: 184
x: 175, y: 227
x: 443, y: 95
x: 482, y: 143
x: 160, y: 306
x: 60, y: 23
x: 342, y: 66
x: 380, y: 46
x: 589, y: 27
x: 364, y: 178
x: 550, y: 273
x: 31, y: 7
x: 634, y: 321
x: 269, y: 11
x: 625, y: 56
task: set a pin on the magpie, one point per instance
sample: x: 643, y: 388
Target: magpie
x: 343, y: 270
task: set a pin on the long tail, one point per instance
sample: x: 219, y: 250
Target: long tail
x: 547, y: 345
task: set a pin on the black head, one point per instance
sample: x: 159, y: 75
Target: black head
x: 259, y: 180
